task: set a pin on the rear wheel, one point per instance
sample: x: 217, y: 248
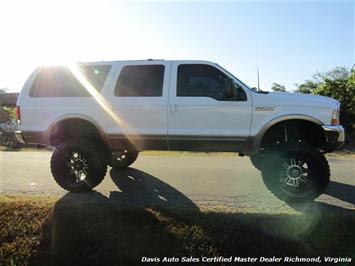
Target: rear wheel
x: 295, y: 172
x: 78, y: 165
x: 123, y: 159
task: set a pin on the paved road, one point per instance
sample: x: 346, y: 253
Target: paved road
x: 208, y: 182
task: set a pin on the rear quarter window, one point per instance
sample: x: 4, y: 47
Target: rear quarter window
x: 140, y: 81
x: 60, y: 81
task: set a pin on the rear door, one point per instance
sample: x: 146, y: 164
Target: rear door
x: 139, y: 103
x: 200, y: 118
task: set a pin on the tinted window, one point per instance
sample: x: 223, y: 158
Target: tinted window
x: 96, y: 75
x: 202, y: 81
x: 142, y: 80
x: 60, y: 82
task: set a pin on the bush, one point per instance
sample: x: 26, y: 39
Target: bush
x: 339, y: 84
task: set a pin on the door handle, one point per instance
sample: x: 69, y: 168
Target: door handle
x: 173, y: 108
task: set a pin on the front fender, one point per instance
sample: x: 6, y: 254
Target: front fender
x: 254, y: 141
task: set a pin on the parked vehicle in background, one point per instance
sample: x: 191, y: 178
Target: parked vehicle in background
x: 105, y: 113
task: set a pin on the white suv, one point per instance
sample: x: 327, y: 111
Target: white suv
x: 104, y: 113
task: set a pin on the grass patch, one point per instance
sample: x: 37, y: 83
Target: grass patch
x: 92, y: 229
x: 20, y: 226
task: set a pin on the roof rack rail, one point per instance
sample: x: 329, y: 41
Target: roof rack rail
x: 150, y: 59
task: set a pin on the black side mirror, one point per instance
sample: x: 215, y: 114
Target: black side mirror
x: 230, y: 89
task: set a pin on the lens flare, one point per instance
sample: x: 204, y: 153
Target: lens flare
x: 104, y: 104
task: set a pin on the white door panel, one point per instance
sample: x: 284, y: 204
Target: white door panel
x: 140, y: 115
x: 206, y: 116
x: 210, y: 120
x: 143, y: 119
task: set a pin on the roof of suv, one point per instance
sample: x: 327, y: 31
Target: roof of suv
x: 145, y: 60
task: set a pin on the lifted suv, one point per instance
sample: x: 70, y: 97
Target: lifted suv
x: 105, y: 113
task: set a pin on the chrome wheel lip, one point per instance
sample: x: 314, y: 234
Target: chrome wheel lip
x: 294, y: 173
x: 78, y: 166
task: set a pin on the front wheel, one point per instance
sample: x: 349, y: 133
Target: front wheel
x: 296, y: 173
x: 257, y: 160
x: 78, y: 165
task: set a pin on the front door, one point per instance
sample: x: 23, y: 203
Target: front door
x: 200, y: 115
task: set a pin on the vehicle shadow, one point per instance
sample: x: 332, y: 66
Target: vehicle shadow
x: 92, y: 229
x: 341, y: 191
x: 140, y: 189
x: 148, y: 218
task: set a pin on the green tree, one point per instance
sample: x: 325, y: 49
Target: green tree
x: 6, y: 112
x: 307, y: 87
x: 278, y: 87
x: 339, y: 84
x: 11, y: 111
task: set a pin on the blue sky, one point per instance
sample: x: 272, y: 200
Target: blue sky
x: 290, y: 41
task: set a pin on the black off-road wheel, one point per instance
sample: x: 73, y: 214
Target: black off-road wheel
x: 123, y: 159
x: 78, y: 165
x: 295, y: 173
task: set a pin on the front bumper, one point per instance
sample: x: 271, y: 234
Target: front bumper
x: 335, y: 137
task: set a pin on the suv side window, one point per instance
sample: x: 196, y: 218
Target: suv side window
x: 60, y: 81
x: 198, y: 80
x: 95, y: 74
x: 140, y: 81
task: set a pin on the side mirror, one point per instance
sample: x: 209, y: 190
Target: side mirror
x: 230, y: 89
